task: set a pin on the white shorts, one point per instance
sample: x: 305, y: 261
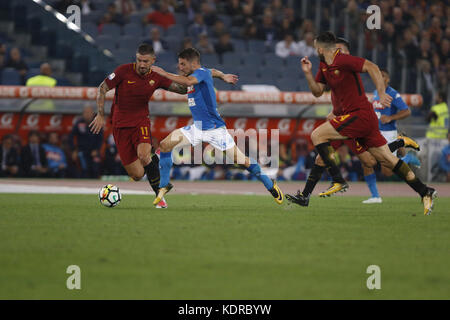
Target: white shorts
x: 390, y: 136
x: 219, y: 138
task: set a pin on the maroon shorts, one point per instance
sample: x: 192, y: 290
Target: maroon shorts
x: 362, y: 126
x: 352, y: 144
x: 127, y: 140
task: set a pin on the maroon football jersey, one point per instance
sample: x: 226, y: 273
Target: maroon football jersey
x: 342, y: 76
x: 133, y: 91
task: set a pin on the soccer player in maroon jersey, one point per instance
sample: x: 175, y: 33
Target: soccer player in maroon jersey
x: 367, y: 160
x: 134, y: 84
x: 358, y: 120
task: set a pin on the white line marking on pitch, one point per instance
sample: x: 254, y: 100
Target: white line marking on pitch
x: 22, y: 188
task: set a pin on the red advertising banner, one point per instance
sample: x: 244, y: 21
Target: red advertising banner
x: 161, y: 126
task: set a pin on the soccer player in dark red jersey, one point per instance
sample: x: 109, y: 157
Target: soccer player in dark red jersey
x: 367, y: 160
x: 134, y: 84
x: 358, y: 120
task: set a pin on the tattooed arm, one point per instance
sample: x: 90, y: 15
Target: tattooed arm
x: 99, y: 121
x: 177, y: 88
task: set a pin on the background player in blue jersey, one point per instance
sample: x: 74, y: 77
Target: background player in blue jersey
x: 388, y: 117
x: 208, y: 124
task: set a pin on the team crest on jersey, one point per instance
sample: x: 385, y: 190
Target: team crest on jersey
x: 190, y: 89
x: 336, y: 72
x: 152, y: 82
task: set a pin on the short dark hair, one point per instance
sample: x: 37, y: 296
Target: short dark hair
x: 327, y: 38
x: 145, y: 48
x: 344, y: 42
x: 189, y: 54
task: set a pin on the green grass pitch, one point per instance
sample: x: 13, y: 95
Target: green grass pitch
x: 222, y: 247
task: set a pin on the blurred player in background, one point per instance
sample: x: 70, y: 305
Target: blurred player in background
x: 208, y: 124
x: 86, y: 145
x: 134, y: 85
x: 359, y: 121
x: 367, y: 160
x: 388, y: 116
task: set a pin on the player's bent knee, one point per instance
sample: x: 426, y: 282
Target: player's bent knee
x: 144, y: 158
x: 165, y: 146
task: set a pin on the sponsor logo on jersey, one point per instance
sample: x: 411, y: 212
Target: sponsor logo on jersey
x: 191, y: 102
x: 377, y: 105
x: 131, y: 82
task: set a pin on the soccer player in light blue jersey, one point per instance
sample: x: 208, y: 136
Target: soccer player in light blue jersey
x: 208, y: 124
x: 388, y: 117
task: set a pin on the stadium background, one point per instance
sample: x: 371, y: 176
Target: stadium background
x: 238, y: 37
x: 217, y: 239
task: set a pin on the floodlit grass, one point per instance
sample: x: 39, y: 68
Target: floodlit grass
x: 222, y: 247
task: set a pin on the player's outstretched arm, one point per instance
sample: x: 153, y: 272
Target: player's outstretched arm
x: 186, y: 81
x: 396, y: 116
x: 99, y: 121
x: 228, y: 78
x: 177, y: 88
x: 316, y: 88
x: 377, y: 78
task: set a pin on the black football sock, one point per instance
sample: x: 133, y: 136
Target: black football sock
x: 326, y: 150
x: 313, y: 178
x: 395, y: 145
x: 152, y: 172
x: 401, y: 169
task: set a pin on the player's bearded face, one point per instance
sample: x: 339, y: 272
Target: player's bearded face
x: 320, y: 54
x: 319, y: 51
x: 144, y: 62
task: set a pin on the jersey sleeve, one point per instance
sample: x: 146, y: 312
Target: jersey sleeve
x: 397, y: 100
x: 351, y: 63
x: 201, y: 74
x: 164, y: 83
x: 319, y: 77
x: 116, y: 77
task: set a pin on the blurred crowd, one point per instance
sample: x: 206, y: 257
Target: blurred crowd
x: 11, y: 57
x: 79, y: 154
x: 418, y: 32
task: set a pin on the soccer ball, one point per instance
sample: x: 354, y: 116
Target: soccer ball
x: 109, y: 196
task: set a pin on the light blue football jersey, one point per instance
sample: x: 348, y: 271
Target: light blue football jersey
x: 202, y: 101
